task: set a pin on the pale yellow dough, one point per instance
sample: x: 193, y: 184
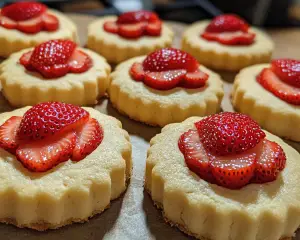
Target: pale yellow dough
x: 223, y: 57
x: 272, y: 113
x: 156, y: 107
x: 70, y: 192
x: 116, y: 49
x: 23, y: 88
x: 269, y: 211
x: 12, y: 40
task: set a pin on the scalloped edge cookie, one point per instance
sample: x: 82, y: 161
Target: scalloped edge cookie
x: 272, y: 113
x: 12, y: 40
x: 117, y: 49
x: 70, y: 192
x: 223, y: 57
x: 21, y: 87
x: 159, y: 108
x: 208, y: 211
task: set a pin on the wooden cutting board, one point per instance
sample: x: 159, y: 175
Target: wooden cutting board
x: 133, y: 216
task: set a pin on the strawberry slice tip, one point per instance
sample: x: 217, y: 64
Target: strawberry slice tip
x: 137, y: 72
x: 111, y: 27
x: 195, y: 79
x: 89, y: 137
x: 8, y: 134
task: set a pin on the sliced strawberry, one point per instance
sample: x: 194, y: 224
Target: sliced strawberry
x: 46, y: 119
x: 229, y: 133
x: 135, y: 30
x: 22, y: 11
x: 137, y: 72
x: 7, y: 22
x: 164, y: 80
x: 111, y: 27
x: 154, y: 29
x: 288, y: 70
x: 270, y: 161
x: 233, y: 171
x: 31, y: 26
x: 50, y: 22
x: 269, y: 80
x: 79, y: 62
x: 40, y: 156
x: 25, y: 58
x: 227, y: 23
x: 195, y: 79
x: 8, y: 134
x: 136, y: 17
x: 195, y: 155
x: 170, y: 59
x: 89, y: 137
x: 230, y: 38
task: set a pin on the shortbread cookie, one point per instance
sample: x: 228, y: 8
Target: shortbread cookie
x: 156, y: 90
x: 177, y: 167
x: 27, y: 24
x: 228, y: 47
x: 272, y: 101
x: 50, y: 177
x: 126, y: 39
x: 31, y: 76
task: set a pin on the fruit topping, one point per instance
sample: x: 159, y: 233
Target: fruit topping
x: 8, y: 134
x: 89, y: 136
x: 47, y: 119
x: 270, y: 161
x: 168, y: 68
x: 229, y: 133
x: 56, y: 58
x: 135, y: 24
x: 40, y: 156
x: 288, y: 70
x: 251, y: 158
x: 271, y: 82
x: 28, y: 17
x: 50, y: 133
x: 228, y: 29
x: 195, y: 155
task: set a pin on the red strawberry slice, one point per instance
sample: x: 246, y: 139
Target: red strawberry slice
x: 25, y: 59
x: 137, y: 72
x: 131, y: 30
x: 46, y: 119
x: 111, y: 27
x: 22, y: 11
x: 154, y: 29
x: 230, y: 38
x: 7, y: 23
x: 229, y: 133
x: 195, y: 155
x: 50, y: 22
x: 79, y: 62
x: 233, y: 171
x: 8, y: 134
x: 170, y: 59
x: 89, y: 137
x: 31, y: 26
x: 51, y: 58
x: 195, y: 79
x: 227, y: 23
x: 270, y: 161
x: 288, y: 70
x: 269, y: 80
x: 164, y: 80
x: 40, y: 156
x: 137, y: 16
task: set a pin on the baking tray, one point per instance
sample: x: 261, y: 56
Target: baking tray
x: 133, y: 216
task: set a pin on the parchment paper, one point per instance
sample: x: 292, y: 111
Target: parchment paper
x: 133, y: 216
